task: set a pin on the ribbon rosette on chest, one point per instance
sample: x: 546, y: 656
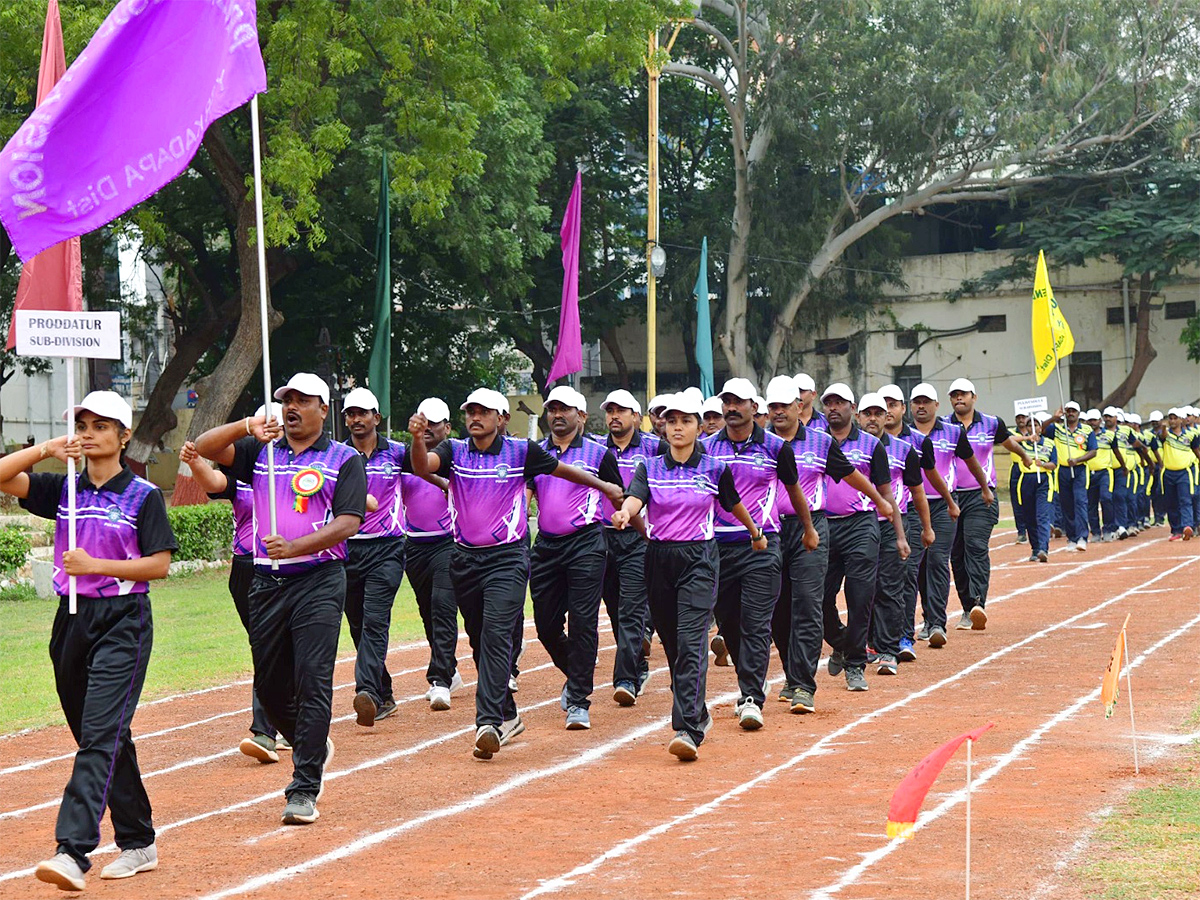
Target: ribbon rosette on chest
x: 305, y: 483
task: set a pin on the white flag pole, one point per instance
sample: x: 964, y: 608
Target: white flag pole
x: 1129, y: 691
x: 262, y: 303
x: 968, y: 885
x: 72, y: 596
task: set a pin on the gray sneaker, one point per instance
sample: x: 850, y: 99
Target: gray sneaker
x: 131, y: 862
x: 301, y: 809
x: 788, y: 694
x: 837, y: 662
x: 62, y: 871
x: 386, y: 708
x: 855, y: 679
x: 978, y: 618
x: 683, y: 746
x: 923, y: 634
x: 510, y: 728
x: 887, y: 664
x: 964, y: 622
x: 937, y: 637
x: 803, y: 702
x: 261, y: 747
x: 625, y: 694
x: 578, y: 719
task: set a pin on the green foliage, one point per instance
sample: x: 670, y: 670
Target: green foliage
x: 19, y: 592
x: 203, y: 532
x: 14, y: 548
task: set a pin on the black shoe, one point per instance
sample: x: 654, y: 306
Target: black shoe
x: 837, y: 662
x: 365, y: 708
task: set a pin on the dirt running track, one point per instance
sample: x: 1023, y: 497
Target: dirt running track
x: 794, y: 810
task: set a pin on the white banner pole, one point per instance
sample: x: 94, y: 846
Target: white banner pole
x: 968, y: 884
x: 72, y: 596
x: 1129, y: 691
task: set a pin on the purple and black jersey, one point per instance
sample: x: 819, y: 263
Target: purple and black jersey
x: 124, y: 518
x: 324, y: 481
x: 383, y: 483
x: 864, y: 452
x: 681, y: 499
x: 642, y: 447
x: 947, y: 445
x: 425, y: 506
x: 984, y: 433
x: 817, y: 455
x: 487, y: 487
x: 241, y: 497
x: 760, y: 465
x: 904, y: 467
x: 564, y: 506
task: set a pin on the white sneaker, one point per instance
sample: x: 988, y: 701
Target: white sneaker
x: 1081, y: 545
x: 512, y: 684
x: 456, y: 683
x: 510, y: 729
x: 750, y: 717
x: 130, y: 862
x: 62, y: 871
x: 439, y: 698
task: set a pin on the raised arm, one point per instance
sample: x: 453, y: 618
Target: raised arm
x: 217, y: 443
x: 1014, y: 446
x: 14, y: 480
x: 424, y: 463
x: 211, y: 481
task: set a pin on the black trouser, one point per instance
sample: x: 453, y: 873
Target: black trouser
x: 427, y: 564
x: 490, y: 583
x: 295, y: 621
x: 241, y: 575
x: 566, y: 577
x: 797, y: 623
x: 891, y: 593
x: 374, y: 569
x: 746, y: 595
x: 969, y: 556
x: 100, y: 656
x: 934, y: 575
x: 625, y: 600
x: 681, y: 582
x: 853, y: 558
x: 912, y: 565
x: 1014, y: 475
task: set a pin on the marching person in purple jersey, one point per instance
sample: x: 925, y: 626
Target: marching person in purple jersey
x: 978, y: 514
x: 713, y: 416
x: 680, y: 492
x: 891, y: 581
x: 489, y: 566
x: 809, y: 417
x: 625, y: 570
x: 374, y: 557
x: 854, y: 538
x: 654, y: 412
x: 748, y: 583
x: 428, y: 544
x: 299, y: 587
x: 797, y: 625
x: 933, y: 490
x: 99, y: 653
x: 566, y: 565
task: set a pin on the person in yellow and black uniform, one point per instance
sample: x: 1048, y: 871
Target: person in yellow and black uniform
x: 1102, y: 517
x: 1181, y: 451
x: 1126, y: 478
x: 1036, y: 485
x: 1076, y: 445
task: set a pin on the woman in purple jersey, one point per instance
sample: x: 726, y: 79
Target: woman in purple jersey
x: 680, y: 491
x: 100, y: 652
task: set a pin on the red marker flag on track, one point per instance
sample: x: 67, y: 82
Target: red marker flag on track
x: 911, y: 792
x: 1110, y: 687
x: 53, y: 279
x: 568, y: 356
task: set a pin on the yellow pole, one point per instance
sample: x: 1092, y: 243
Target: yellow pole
x: 652, y: 218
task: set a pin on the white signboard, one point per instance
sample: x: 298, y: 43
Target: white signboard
x: 1029, y: 406
x: 91, y: 335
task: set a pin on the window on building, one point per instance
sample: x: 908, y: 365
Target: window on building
x: 833, y: 346
x: 989, y: 324
x: 1181, y: 309
x: 906, y: 378
x: 1087, y: 378
x: 907, y: 340
x: 1116, y: 315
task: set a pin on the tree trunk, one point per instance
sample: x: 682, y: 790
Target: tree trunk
x: 614, y: 348
x: 1144, y: 352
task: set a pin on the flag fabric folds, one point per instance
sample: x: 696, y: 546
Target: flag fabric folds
x: 1110, y: 687
x: 53, y: 279
x: 127, y: 117
x: 379, y: 369
x: 911, y: 792
x: 704, y: 351
x: 568, y: 355
x: 1052, y: 338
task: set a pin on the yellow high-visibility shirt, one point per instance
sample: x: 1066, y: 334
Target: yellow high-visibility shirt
x: 1104, y: 458
x: 1177, y: 450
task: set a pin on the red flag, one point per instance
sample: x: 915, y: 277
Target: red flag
x: 1110, y: 686
x: 910, y: 793
x: 52, y: 279
x: 568, y: 356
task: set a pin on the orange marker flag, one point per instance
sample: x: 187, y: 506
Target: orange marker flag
x: 1110, y: 688
x: 911, y: 792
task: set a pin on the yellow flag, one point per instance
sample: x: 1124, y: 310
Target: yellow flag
x: 1110, y: 685
x: 1050, y: 328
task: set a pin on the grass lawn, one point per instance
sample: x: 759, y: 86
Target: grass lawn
x: 198, y: 642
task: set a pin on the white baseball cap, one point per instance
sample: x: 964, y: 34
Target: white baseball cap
x: 869, y: 400
x: 713, y: 405
x: 740, y: 388
x: 658, y: 402
x: 362, y: 398
x: 1176, y: 411
x: 1156, y: 415
x: 1071, y: 404
x: 1041, y: 416
x: 1092, y: 413
x: 782, y: 389
x: 837, y: 389
x: 1134, y: 418
x: 760, y: 405
x: 567, y: 396
x: 804, y: 382
x: 1111, y: 411
x: 305, y: 383
x: 487, y: 398
x: 623, y: 399
x: 961, y: 384
x: 924, y: 389
x: 108, y: 404
x: 891, y: 392
x: 276, y: 411
x: 434, y: 409
x: 695, y: 393
x: 681, y: 402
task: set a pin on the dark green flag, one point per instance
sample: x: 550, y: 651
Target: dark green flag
x: 379, y: 371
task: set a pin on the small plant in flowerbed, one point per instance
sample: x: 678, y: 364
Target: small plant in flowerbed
x: 14, y: 552
x: 203, y: 532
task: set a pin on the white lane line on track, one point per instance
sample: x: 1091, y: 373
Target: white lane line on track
x: 276, y: 796
x: 822, y: 746
x: 851, y: 875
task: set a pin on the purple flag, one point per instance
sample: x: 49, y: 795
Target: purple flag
x: 568, y: 357
x: 127, y: 117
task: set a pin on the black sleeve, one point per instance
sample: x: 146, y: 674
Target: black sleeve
x: 230, y: 491
x: 539, y: 462
x: 445, y: 452
x: 1001, y: 432
x: 609, y: 470
x: 1196, y: 442
x: 639, y: 487
x: 928, y: 460
x: 45, y: 490
x: 727, y: 494
x: 785, y: 465
x: 912, y: 469
x: 153, y: 527
x: 837, y: 466
x: 245, y: 455
x: 881, y: 471
x: 350, y: 495
x: 963, y: 449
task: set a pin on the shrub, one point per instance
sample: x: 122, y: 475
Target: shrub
x: 17, y: 592
x: 14, y: 548
x: 203, y: 532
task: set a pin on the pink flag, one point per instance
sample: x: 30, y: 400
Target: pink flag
x: 127, y: 117
x: 52, y: 279
x: 568, y: 357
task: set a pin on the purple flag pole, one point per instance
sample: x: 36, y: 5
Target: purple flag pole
x: 568, y: 357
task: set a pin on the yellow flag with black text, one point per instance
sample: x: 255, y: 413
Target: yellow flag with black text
x: 1052, y: 339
